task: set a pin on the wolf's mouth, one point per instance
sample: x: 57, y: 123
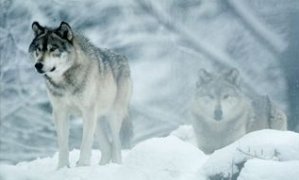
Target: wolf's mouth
x: 53, y: 69
x: 40, y: 71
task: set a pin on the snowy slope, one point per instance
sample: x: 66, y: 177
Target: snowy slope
x: 171, y: 158
x: 158, y: 158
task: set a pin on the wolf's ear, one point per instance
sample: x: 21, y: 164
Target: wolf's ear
x: 37, y: 28
x: 233, y: 76
x: 204, y: 77
x: 65, y: 31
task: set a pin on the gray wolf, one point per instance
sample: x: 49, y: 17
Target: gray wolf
x: 222, y: 113
x: 83, y: 80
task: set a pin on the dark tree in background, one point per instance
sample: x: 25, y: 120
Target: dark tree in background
x: 290, y: 63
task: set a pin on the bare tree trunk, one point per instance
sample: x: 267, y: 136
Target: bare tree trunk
x: 290, y: 64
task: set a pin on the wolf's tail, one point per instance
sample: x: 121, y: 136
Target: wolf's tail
x: 126, y: 133
x: 277, y: 118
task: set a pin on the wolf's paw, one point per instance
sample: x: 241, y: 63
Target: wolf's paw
x: 82, y: 163
x: 104, y: 161
x: 62, y: 165
x: 117, y: 160
x: 219, y: 176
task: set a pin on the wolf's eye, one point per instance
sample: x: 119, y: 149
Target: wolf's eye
x: 52, y: 49
x: 37, y: 51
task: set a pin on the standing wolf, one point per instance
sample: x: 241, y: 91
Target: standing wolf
x: 222, y: 113
x: 85, y: 80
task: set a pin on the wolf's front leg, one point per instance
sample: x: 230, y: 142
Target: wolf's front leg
x: 89, y: 126
x: 62, y: 129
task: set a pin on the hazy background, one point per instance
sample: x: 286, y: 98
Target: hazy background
x: 166, y: 43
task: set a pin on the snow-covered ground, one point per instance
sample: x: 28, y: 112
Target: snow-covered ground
x: 265, y: 155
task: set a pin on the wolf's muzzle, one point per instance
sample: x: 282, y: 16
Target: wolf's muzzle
x: 39, y: 67
x: 218, y: 114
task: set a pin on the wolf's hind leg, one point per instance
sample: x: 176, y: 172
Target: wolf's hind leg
x: 104, y: 143
x: 119, y: 112
x: 115, y: 122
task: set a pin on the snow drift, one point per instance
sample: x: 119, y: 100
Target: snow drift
x: 265, y: 154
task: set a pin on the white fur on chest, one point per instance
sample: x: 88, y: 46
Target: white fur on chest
x: 97, y: 92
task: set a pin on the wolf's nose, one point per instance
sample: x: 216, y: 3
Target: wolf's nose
x: 39, y: 66
x: 218, y: 114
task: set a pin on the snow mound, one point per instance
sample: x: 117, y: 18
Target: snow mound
x: 265, y: 154
x: 257, y: 169
x: 272, y: 145
x: 157, y: 158
x: 45, y: 169
x: 185, y: 133
x: 166, y: 158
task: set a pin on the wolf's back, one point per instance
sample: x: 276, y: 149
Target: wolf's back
x: 117, y: 63
x: 267, y: 115
x: 107, y: 59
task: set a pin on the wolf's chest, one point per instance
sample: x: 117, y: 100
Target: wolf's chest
x: 70, y: 103
x: 67, y: 87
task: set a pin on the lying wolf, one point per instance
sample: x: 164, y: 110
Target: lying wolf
x: 222, y: 113
x: 85, y: 80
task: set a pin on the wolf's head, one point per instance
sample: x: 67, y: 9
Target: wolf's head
x: 218, y: 97
x: 52, y: 48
